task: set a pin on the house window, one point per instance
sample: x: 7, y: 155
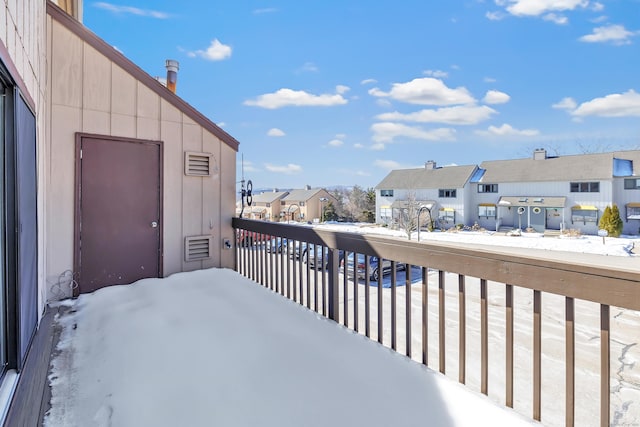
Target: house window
x: 268, y: 205
x: 632, y: 184
x: 386, y: 193
x: 385, y: 212
x: 633, y: 211
x: 487, y: 211
x: 487, y: 188
x: 282, y: 203
x: 447, y: 216
x: 301, y: 203
x: 447, y: 193
x: 585, y: 187
x: 584, y: 214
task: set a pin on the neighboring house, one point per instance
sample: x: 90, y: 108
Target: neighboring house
x: 265, y: 206
x: 541, y: 192
x: 305, y: 205
x: 78, y: 115
x: 443, y: 191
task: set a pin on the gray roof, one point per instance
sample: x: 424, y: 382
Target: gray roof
x: 583, y: 167
x: 269, y: 196
x: 422, y: 178
x: 301, y: 195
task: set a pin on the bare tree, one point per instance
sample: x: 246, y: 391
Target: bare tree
x: 408, y: 214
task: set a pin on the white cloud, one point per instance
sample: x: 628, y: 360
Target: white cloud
x: 496, y: 97
x: 386, y: 132
x: 489, y: 80
x: 508, y: 130
x: 541, y: 7
x: 221, y: 124
x: 131, y: 10
x: 494, y: 16
x: 383, y: 102
x: 615, y: 105
x: 264, y: 10
x: 342, y: 89
x: 426, y: 91
x: 379, y: 146
x: 387, y: 164
x: 599, y: 19
x: 289, y: 169
x: 368, y: 81
x: 215, y: 52
x: 308, y: 67
x: 336, y: 143
x: 341, y: 135
x: 439, y: 74
x: 297, y: 98
x: 358, y: 145
x: 276, y: 132
x: 556, y: 19
x: 597, y: 7
x: 247, y: 166
x: 565, y: 104
x: 615, y: 34
x: 458, y: 115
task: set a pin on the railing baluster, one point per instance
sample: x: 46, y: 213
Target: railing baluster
x: 367, y: 301
x: 605, y: 366
x: 537, y: 353
x: 315, y: 277
x: 393, y: 300
x: 345, y: 291
x: 425, y: 316
x: 334, y: 297
x: 484, y: 338
x: 356, y: 327
x: 324, y: 282
x: 570, y: 362
x: 441, y: 321
x: 407, y: 308
x: 462, y: 329
x: 509, y: 345
x: 308, y: 278
x: 280, y: 254
x: 291, y: 259
x: 300, y: 272
x: 285, y: 250
x: 380, y: 318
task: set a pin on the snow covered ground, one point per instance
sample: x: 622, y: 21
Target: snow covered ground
x: 211, y: 348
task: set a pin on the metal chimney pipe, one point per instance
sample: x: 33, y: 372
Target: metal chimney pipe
x: 172, y: 74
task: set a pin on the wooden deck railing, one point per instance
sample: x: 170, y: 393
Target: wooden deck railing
x: 480, y: 272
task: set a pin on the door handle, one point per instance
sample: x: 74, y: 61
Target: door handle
x: 154, y: 224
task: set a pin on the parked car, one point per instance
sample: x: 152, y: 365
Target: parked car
x: 249, y: 238
x: 374, y: 267
x: 316, y: 256
x: 299, y: 251
x: 277, y: 245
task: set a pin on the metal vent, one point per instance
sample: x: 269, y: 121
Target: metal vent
x: 197, y: 248
x: 197, y: 164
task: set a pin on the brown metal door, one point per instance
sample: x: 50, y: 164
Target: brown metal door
x: 118, y: 212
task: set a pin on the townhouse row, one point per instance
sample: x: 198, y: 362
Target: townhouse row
x: 542, y: 192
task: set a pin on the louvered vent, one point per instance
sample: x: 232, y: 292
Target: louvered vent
x: 197, y: 248
x: 197, y: 164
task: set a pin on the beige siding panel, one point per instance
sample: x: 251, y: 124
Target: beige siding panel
x: 173, y: 242
x: 96, y: 122
x: 227, y: 201
x: 123, y: 125
x: 148, y: 102
x: 148, y: 128
x: 66, y: 63
x: 191, y: 192
x: 60, y: 209
x: 11, y: 38
x: 211, y: 200
x: 169, y: 113
x: 123, y: 92
x: 96, y: 80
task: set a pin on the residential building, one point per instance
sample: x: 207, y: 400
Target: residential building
x: 305, y: 205
x: 266, y: 206
x: 541, y: 193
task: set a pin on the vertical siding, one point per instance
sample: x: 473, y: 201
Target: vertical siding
x: 191, y: 190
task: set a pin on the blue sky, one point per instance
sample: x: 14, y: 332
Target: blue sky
x: 340, y: 92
